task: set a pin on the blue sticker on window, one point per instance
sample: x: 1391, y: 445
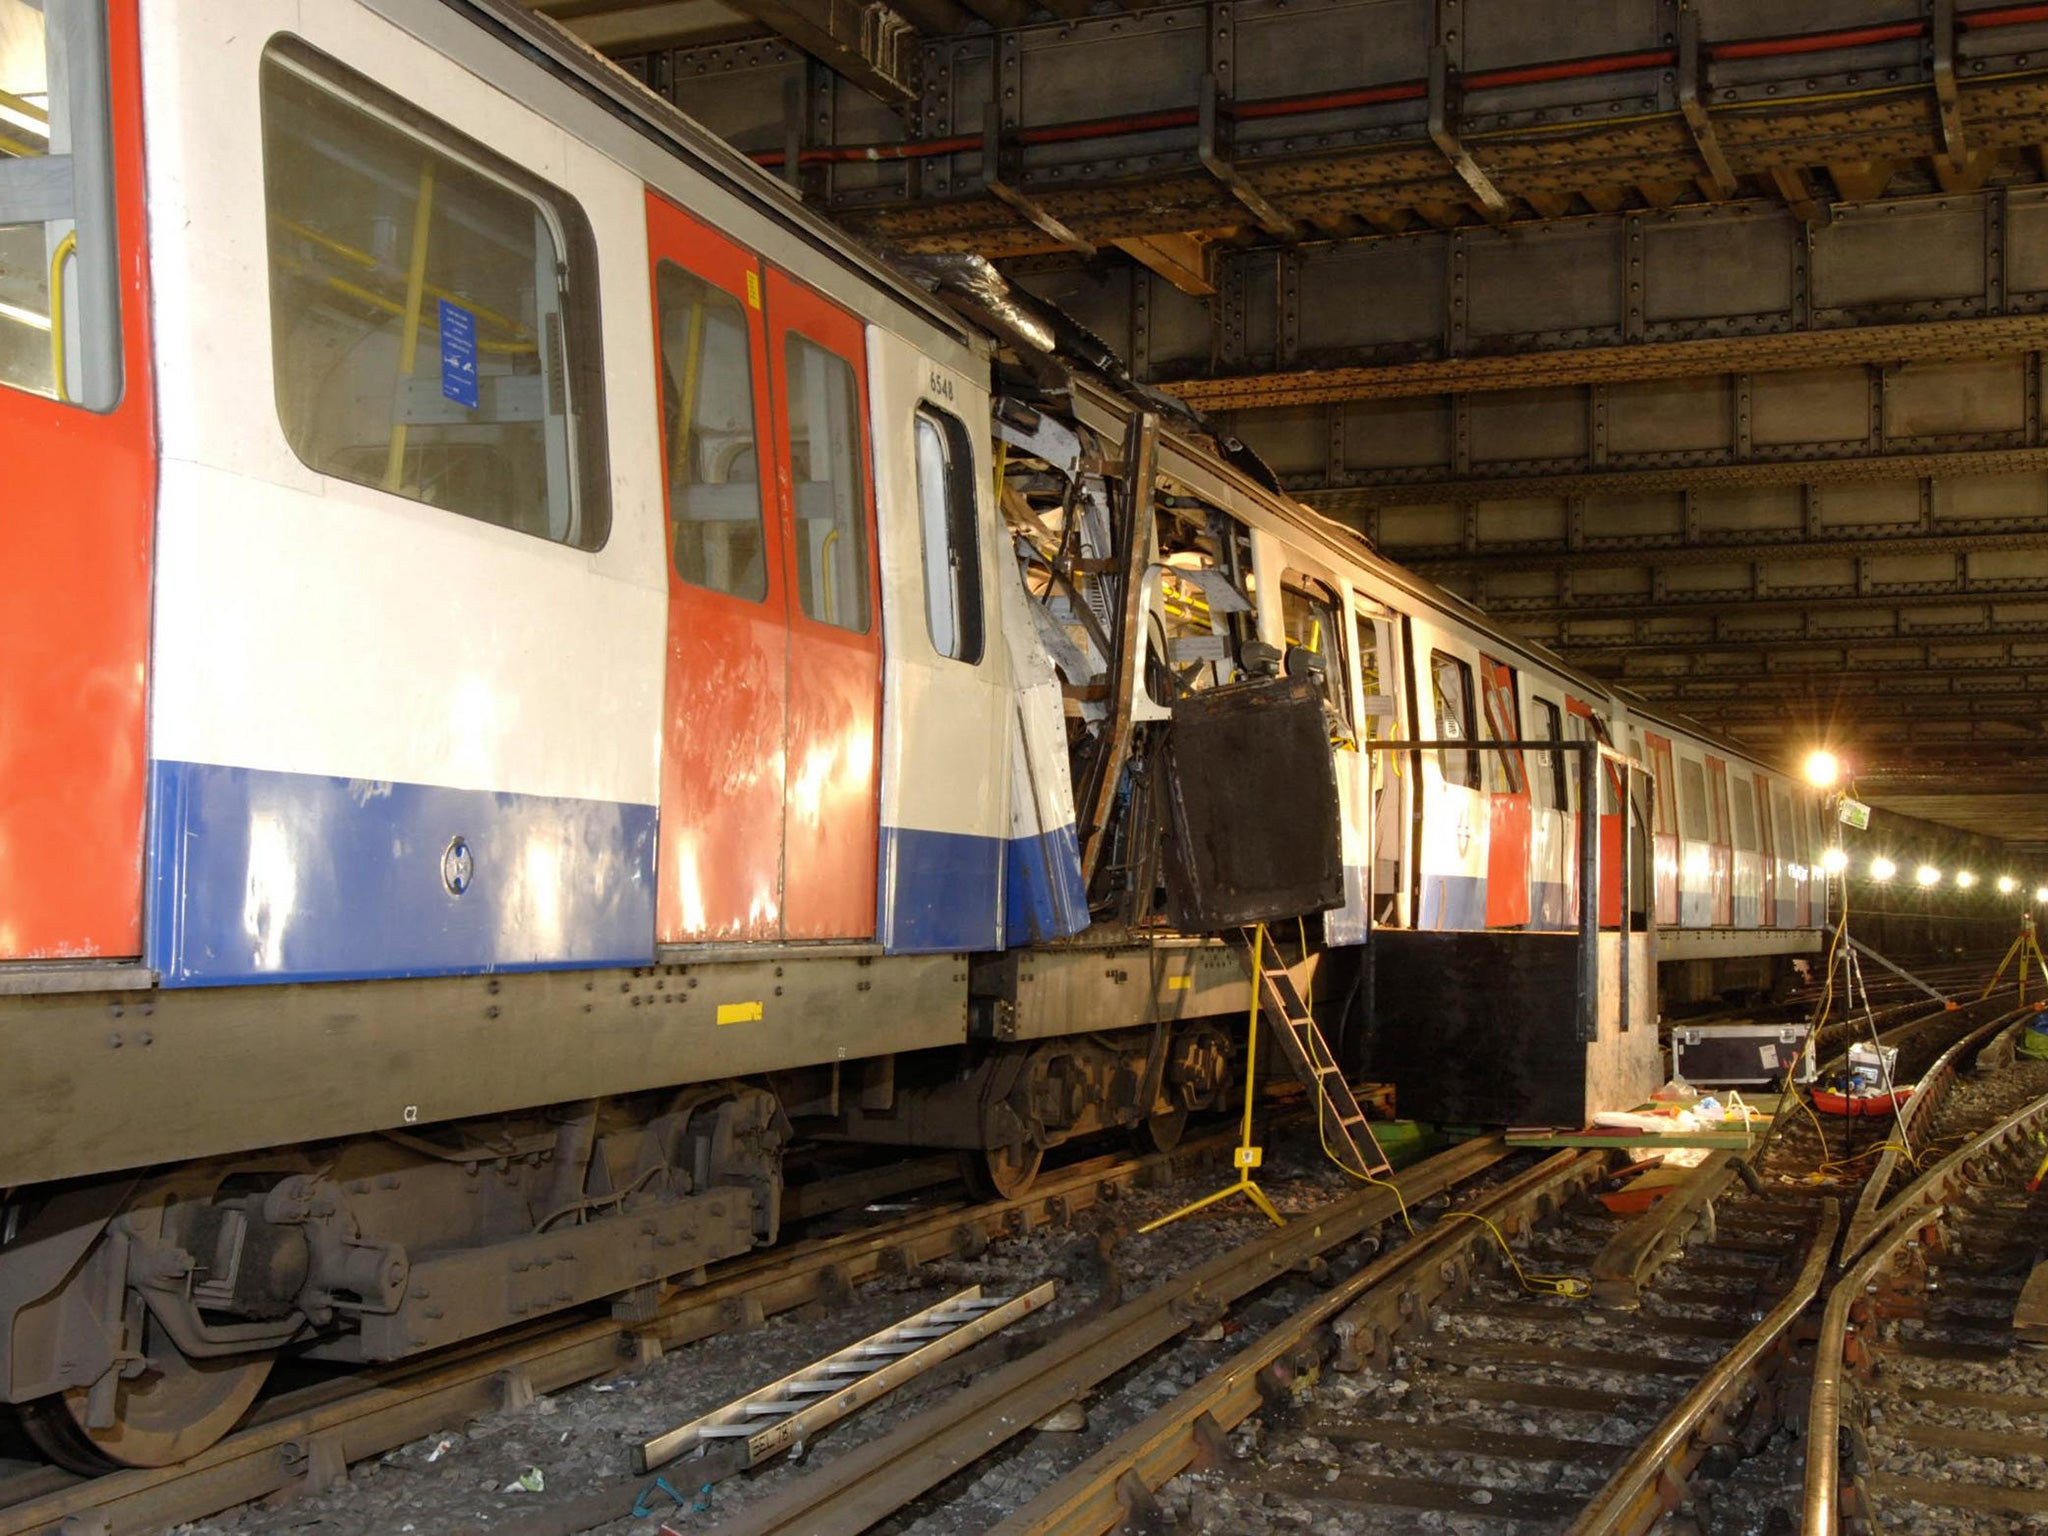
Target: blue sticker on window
x: 458, y: 354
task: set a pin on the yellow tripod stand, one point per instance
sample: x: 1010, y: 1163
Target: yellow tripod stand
x: 2024, y: 948
x: 1247, y: 1156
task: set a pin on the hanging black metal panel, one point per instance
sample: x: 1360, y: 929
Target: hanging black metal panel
x: 1253, y: 832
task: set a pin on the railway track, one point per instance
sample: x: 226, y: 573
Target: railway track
x: 304, y: 1440
x: 1427, y: 1381
x: 1537, y: 1412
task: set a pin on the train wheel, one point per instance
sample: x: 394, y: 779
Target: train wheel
x: 1001, y: 1173
x: 174, y: 1409
x: 1162, y: 1132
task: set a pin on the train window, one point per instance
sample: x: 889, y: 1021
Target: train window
x: 1554, y: 795
x: 1692, y: 799
x: 709, y: 436
x: 1451, y: 683
x: 825, y: 474
x: 1787, y: 835
x: 1315, y: 644
x: 952, y: 550
x: 432, y: 309
x: 1745, y: 814
x: 60, y: 298
x: 1497, y: 692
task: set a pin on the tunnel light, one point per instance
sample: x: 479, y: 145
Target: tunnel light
x: 2007, y: 885
x: 1965, y: 879
x: 1834, y: 861
x: 1882, y: 868
x: 2041, y: 895
x: 1823, y: 769
x: 1928, y: 875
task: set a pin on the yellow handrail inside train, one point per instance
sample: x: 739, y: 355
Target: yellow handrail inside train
x: 59, y: 258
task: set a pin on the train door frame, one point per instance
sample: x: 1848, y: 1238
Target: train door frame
x: 725, y: 728
x: 75, y: 590
x: 1720, y: 843
x: 1767, y: 838
x: 1392, y: 810
x: 1666, y: 834
x: 1462, y: 905
x: 831, y: 794
x: 1508, y: 802
x: 1553, y: 845
x: 1748, y: 864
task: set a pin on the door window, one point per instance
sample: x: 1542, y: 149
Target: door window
x: 1451, y: 683
x: 1315, y: 645
x: 430, y: 329
x: 825, y: 476
x: 1692, y: 795
x: 709, y: 437
x: 952, y: 549
x: 1745, y: 815
x: 1553, y: 791
x: 1510, y: 774
x: 59, y: 280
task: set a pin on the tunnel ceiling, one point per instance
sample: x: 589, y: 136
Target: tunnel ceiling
x: 1703, y: 343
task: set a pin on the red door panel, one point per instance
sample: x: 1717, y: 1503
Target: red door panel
x: 720, y: 871
x: 817, y: 356
x: 1508, y: 813
x: 76, y: 521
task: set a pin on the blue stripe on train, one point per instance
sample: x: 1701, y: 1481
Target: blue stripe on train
x: 940, y: 891
x: 1043, y: 895
x: 954, y: 891
x: 265, y: 876
x: 1453, y: 901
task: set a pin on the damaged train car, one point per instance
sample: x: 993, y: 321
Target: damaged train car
x: 577, y: 678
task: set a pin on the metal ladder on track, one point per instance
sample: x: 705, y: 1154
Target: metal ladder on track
x: 1346, y: 1133
x: 762, y: 1423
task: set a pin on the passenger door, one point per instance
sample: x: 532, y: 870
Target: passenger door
x: 77, y: 446
x: 1721, y: 853
x: 1453, y: 866
x: 724, y: 721
x: 1507, y: 811
x: 1664, y: 828
x: 817, y: 359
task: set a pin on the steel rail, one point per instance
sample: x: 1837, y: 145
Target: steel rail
x: 1640, y: 1492
x: 867, y: 1485
x: 1098, y: 1495
x: 1918, y: 1205
x: 1920, y: 1106
x: 308, y: 1437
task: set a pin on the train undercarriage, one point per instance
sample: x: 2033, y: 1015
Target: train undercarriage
x: 140, y: 1316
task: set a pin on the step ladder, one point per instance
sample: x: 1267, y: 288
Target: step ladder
x: 763, y: 1423
x: 1347, y: 1135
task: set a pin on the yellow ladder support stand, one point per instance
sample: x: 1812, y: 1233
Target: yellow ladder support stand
x: 1338, y: 1117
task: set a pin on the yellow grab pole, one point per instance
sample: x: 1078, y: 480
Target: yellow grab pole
x: 409, y: 336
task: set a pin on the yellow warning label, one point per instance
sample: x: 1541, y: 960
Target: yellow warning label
x: 753, y: 302
x: 739, y: 1013
x: 1249, y: 1157
x: 1186, y: 983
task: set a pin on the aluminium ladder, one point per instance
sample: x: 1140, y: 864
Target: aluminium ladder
x: 1346, y: 1133
x: 782, y: 1413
